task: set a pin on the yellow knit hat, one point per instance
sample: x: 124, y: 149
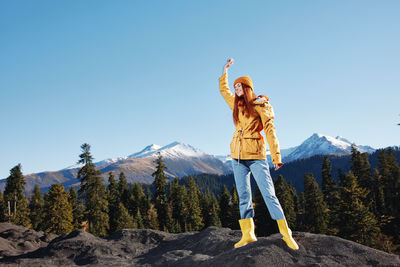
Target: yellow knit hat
x: 244, y: 80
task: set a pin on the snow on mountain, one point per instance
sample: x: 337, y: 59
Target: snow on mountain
x: 323, y: 144
x: 367, y: 149
x: 341, y: 138
x: 146, y: 151
x: 316, y: 144
x: 79, y: 165
x: 100, y: 163
x: 173, y: 150
x: 109, y: 161
x: 182, y: 160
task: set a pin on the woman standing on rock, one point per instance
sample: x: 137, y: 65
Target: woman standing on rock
x: 251, y: 114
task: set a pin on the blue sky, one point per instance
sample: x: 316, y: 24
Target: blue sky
x: 121, y: 75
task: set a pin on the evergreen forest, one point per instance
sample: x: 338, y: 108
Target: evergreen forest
x: 361, y: 204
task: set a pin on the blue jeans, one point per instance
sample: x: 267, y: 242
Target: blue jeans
x: 260, y: 171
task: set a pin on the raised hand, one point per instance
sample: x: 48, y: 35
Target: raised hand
x: 228, y: 64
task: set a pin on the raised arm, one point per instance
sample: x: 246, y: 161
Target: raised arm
x: 224, y: 87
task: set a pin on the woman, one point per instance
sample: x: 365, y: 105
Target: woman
x: 251, y: 114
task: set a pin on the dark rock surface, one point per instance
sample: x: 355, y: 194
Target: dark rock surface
x: 17, y: 240
x: 211, y: 247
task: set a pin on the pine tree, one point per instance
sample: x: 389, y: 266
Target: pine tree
x: 13, y: 193
x: 3, y: 208
x: 195, y: 221
x: 210, y: 210
x: 393, y: 182
x: 123, y: 189
x: 356, y: 223
x: 78, y: 208
x: 330, y: 191
x: 327, y: 181
x: 114, y: 203
x: 171, y: 224
x: 122, y: 219
x: 58, y: 211
x: 160, y: 196
x: 138, y: 220
x: 88, y: 172
x: 119, y: 215
x: 385, y: 175
x: 214, y: 212
x: 225, y: 213
x: 235, y: 210
x: 144, y: 206
x: 95, y: 193
x: 36, y: 207
x: 315, y: 206
x: 390, y: 176
x: 135, y: 202
x: 300, y: 220
x: 295, y: 196
x: 97, y: 208
x: 204, y: 207
x: 147, y: 199
x: 178, y: 196
x: 362, y: 171
x: 147, y: 214
x: 265, y: 225
x: 285, y: 196
x: 379, y: 194
x: 152, y: 218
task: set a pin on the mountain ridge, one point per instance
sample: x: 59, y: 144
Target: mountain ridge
x: 325, y: 145
x: 182, y: 160
x: 316, y: 142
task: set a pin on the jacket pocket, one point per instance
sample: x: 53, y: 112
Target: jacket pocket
x: 252, y: 145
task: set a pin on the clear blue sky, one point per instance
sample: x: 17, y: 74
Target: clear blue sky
x: 121, y: 75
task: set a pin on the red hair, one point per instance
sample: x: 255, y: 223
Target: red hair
x: 246, y: 102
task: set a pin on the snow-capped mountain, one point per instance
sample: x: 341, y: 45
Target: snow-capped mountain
x: 173, y: 150
x: 314, y: 145
x: 146, y: 151
x: 181, y: 160
x: 100, y: 163
x: 325, y: 145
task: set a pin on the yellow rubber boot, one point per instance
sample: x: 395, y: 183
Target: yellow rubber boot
x: 248, y: 235
x: 287, y: 234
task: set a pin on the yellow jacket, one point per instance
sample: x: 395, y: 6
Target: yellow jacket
x: 247, y: 141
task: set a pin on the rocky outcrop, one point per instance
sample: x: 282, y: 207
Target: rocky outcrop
x: 211, y: 247
x: 16, y: 240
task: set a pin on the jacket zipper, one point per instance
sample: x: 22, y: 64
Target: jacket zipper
x: 240, y: 142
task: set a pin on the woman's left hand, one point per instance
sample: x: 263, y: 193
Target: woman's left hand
x: 278, y: 166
